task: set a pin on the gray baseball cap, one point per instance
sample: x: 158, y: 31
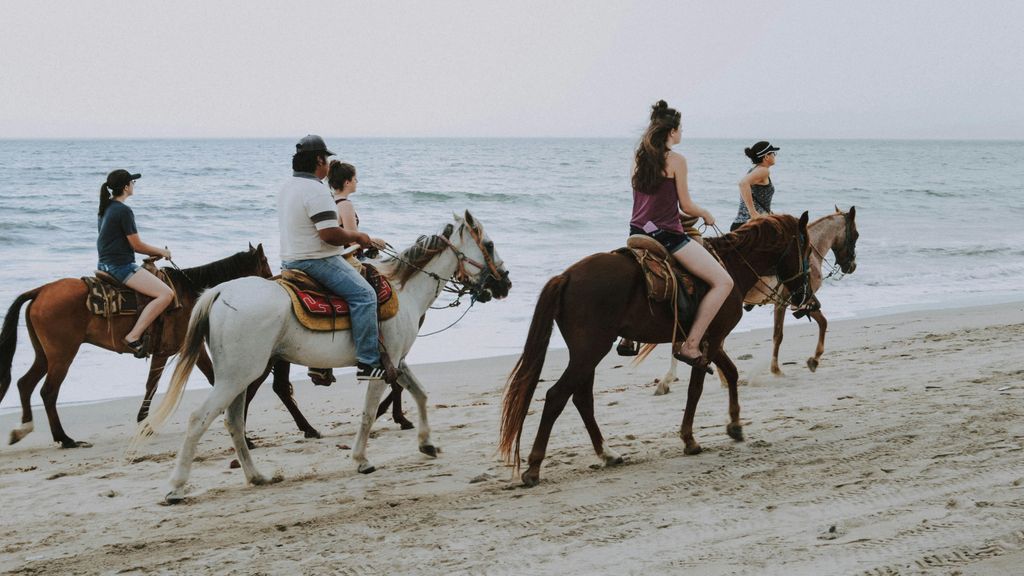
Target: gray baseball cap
x: 312, y: 143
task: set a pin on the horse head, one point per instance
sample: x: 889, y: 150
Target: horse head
x: 261, y: 267
x: 846, y: 251
x: 480, y: 270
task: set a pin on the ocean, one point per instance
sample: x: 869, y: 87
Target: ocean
x: 939, y: 221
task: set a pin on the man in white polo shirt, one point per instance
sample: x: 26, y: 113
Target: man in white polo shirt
x: 311, y: 241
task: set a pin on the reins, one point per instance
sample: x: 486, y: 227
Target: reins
x: 773, y: 294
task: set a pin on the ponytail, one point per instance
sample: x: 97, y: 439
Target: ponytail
x: 104, y: 198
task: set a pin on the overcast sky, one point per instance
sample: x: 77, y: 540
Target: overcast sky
x: 789, y: 69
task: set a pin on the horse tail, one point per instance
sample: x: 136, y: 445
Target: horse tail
x: 9, y: 338
x: 522, y: 382
x: 188, y: 355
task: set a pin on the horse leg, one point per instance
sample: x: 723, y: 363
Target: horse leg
x: 394, y: 400
x: 26, y: 384
x: 668, y: 378
x: 727, y: 371
x: 156, y: 369
x: 412, y: 384
x: 554, y: 402
x: 57, y: 370
x: 284, y: 390
x: 692, y: 398
x: 198, y: 422
x: 812, y: 362
x: 583, y: 399
x: 234, y: 421
x: 780, y: 317
x: 374, y: 391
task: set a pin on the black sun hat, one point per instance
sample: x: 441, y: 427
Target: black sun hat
x: 120, y: 178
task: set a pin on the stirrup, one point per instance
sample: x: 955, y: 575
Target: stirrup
x: 321, y: 376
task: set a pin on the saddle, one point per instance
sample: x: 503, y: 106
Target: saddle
x: 108, y: 298
x: 664, y: 278
x: 319, y: 310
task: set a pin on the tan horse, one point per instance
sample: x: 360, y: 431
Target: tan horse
x: 836, y: 232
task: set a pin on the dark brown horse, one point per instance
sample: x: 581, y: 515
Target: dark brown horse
x: 59, y: 323
x: 604, y: 296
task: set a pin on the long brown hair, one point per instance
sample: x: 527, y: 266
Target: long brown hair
x: 650, y: 154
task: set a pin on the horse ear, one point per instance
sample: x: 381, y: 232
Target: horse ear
x: 457, y: 217
x: 469, y: 220
x: 803, y: 220
x: 838, y: 211
x: 250, y: 247
x: 853, y: 212
x: 259, y: 248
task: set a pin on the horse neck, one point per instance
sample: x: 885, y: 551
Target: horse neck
x: 421, y: 289
x: 826, y: 233
x: 209, y: 275
x: 746, y: 272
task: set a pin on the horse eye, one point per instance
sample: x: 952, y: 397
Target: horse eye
x: 489, y: 246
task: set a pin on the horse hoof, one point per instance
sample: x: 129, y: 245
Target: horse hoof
x: 406, y: 425
x: 429, y: 450
x: 366, y: 469
x: 659, y: 391
x: 616, y: 461
x: 250, y: 444
x: 530, y: 479
x: 812, y: 364
x: 735, y: 431
x: 692, y: 450
x: 69, y: 443
x: 173, y: 498
x: 16, y: 437
x: 313, y: 434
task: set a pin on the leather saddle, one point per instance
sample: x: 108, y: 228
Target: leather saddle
x: 318, y: 309
x: 107, y: 297
x: 664, y: 277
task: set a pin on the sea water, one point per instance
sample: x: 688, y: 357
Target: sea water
x: 940, y: 222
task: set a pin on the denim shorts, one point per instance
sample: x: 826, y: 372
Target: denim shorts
x: 672, y: 241
x: 120, y: 271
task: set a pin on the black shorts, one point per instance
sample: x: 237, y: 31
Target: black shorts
x: 672, y: 241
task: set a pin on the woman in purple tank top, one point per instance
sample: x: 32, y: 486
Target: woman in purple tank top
x: 660, y: 193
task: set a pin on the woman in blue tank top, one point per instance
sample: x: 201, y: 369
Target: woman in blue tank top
x: 756, y: 188
x: 660, y: 194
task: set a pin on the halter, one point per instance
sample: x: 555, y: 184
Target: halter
x: 848, y: 247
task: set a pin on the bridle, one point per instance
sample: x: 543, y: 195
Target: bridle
x: 849, y: 249
x: 773, y: 293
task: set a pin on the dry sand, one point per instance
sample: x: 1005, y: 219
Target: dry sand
x: 901, y: 455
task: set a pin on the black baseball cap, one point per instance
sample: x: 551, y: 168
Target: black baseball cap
x: 120, y: 178
x: 312, y: 143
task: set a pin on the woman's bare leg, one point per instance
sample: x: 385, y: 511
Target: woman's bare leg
x: 701, y: 263
x: 145, y: 283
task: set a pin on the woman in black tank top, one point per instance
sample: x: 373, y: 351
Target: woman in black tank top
x: 756, y: 188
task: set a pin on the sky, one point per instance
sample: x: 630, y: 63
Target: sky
x: 482, y: 68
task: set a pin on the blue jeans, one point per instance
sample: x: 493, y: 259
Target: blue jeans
x: 342, y: 279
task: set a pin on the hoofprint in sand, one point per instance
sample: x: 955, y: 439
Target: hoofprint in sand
x: 902, y: 454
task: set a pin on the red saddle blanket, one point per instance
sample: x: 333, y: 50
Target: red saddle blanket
x: 316, y: 309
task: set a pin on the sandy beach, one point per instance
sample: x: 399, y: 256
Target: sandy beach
x: 902, y: 454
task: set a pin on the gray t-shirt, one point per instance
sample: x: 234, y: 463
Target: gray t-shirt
x: 115, y: 226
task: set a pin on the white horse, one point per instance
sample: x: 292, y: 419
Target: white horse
x: 248, y: 323
x: 836, y: 232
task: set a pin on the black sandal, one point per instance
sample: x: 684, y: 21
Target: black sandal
x: 139, y: 348
x: 692, y: 361
x: 321, y: 376
x: 627, y: 348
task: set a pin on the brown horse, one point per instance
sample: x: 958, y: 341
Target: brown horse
x: 603, y: 296
x: 59, y: 323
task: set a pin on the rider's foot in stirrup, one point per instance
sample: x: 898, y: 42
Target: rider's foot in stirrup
x: 369, y: 372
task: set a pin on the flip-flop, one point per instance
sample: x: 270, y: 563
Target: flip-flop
x: 139, y: 347
x: 692, y: 362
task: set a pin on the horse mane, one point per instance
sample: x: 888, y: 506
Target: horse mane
x: 761, y: 235
x: 197, y: 279
x: 415, y: 257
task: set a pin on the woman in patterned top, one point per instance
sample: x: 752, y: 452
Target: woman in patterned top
x: 756, y: 188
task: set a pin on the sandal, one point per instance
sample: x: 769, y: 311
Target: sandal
x: 139, y: 348
x: 627, y: 348
x: 692, y: 361
x: 321, y: 376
